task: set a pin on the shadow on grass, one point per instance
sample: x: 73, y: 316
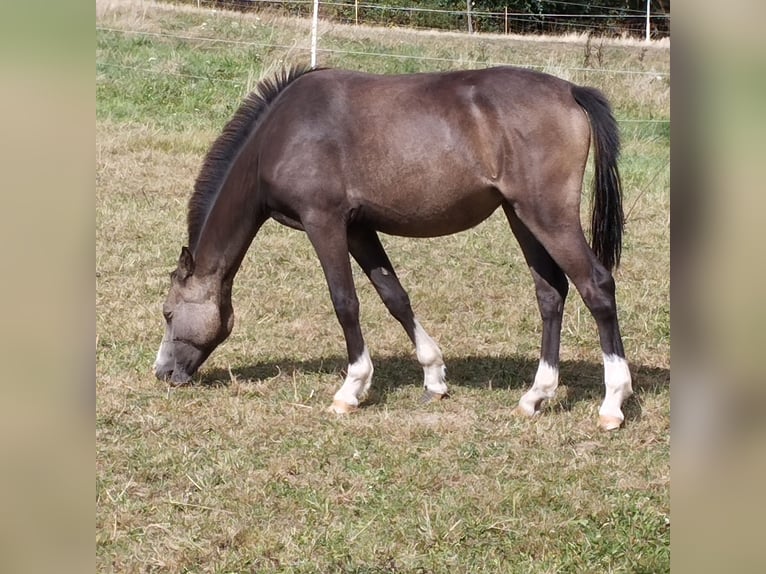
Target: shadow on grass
x: 583, y: 380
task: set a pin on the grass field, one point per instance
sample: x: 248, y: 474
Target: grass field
x: 245, y: 471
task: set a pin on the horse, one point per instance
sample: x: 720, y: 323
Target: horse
x: 344, y: 155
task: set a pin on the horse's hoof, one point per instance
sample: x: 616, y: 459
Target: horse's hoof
x: 341, y: 408
x: 432, y: 397
x: 523, y: 413
x: 609, y: 423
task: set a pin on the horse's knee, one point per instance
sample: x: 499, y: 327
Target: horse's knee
x: 393, y: 295
x: 399, y: 306
x: 346, y: 307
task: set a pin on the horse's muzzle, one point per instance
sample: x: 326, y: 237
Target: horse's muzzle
x: 163, y: 373
x: 175, y: 377
x: 187, y: 359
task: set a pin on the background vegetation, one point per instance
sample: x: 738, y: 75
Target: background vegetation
x: 244, y: 471
x: 602, y: 17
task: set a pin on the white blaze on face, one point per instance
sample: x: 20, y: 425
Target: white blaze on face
x: 165, y: 360
x: 358, y: 381
x: 618, y: 386
x: 430, y: 358
x: 544, y: 387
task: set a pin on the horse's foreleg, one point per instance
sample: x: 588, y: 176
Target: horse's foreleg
x: 367, y: 250
x: 551, y: 287
x: 331, y: 245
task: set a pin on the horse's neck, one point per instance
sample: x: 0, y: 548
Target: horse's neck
x: 228, y: 231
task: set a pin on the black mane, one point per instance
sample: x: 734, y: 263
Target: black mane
x: 226, y: 146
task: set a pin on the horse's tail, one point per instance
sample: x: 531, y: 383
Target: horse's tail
x: 607, y: 218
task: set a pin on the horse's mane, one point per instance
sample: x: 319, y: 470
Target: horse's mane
x: 227, y: 145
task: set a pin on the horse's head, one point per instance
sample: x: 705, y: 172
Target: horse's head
x: 198, y: 317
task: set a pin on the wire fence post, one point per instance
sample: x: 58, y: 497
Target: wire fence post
x: 356, y: 12
x: 506, y: 20
x: 468, y: 13
x: 314, y: 22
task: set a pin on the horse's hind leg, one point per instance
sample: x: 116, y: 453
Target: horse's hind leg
x: 367, y: 250
x: 331, y: 245
x: 551, y: 287
x: 564, y: 240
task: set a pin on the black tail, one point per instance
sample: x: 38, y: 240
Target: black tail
x: 607, y: 219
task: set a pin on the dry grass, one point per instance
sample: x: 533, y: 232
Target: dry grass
x: 244, y: 471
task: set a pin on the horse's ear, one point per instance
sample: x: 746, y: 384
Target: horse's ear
x: 185, y: 264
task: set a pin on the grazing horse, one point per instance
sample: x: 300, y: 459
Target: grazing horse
x: 344, y: 155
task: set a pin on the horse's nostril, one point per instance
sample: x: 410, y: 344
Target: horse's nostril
x: 163, y: 374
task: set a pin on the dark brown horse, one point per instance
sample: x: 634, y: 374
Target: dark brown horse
x: 344, y: 155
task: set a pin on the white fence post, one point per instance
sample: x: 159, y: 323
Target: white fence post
x: 468, y: 13
x: 314, y: 22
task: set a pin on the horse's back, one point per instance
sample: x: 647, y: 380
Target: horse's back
x: 418, y: 154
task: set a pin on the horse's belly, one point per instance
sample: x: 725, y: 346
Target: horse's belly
x: 420, y: 216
